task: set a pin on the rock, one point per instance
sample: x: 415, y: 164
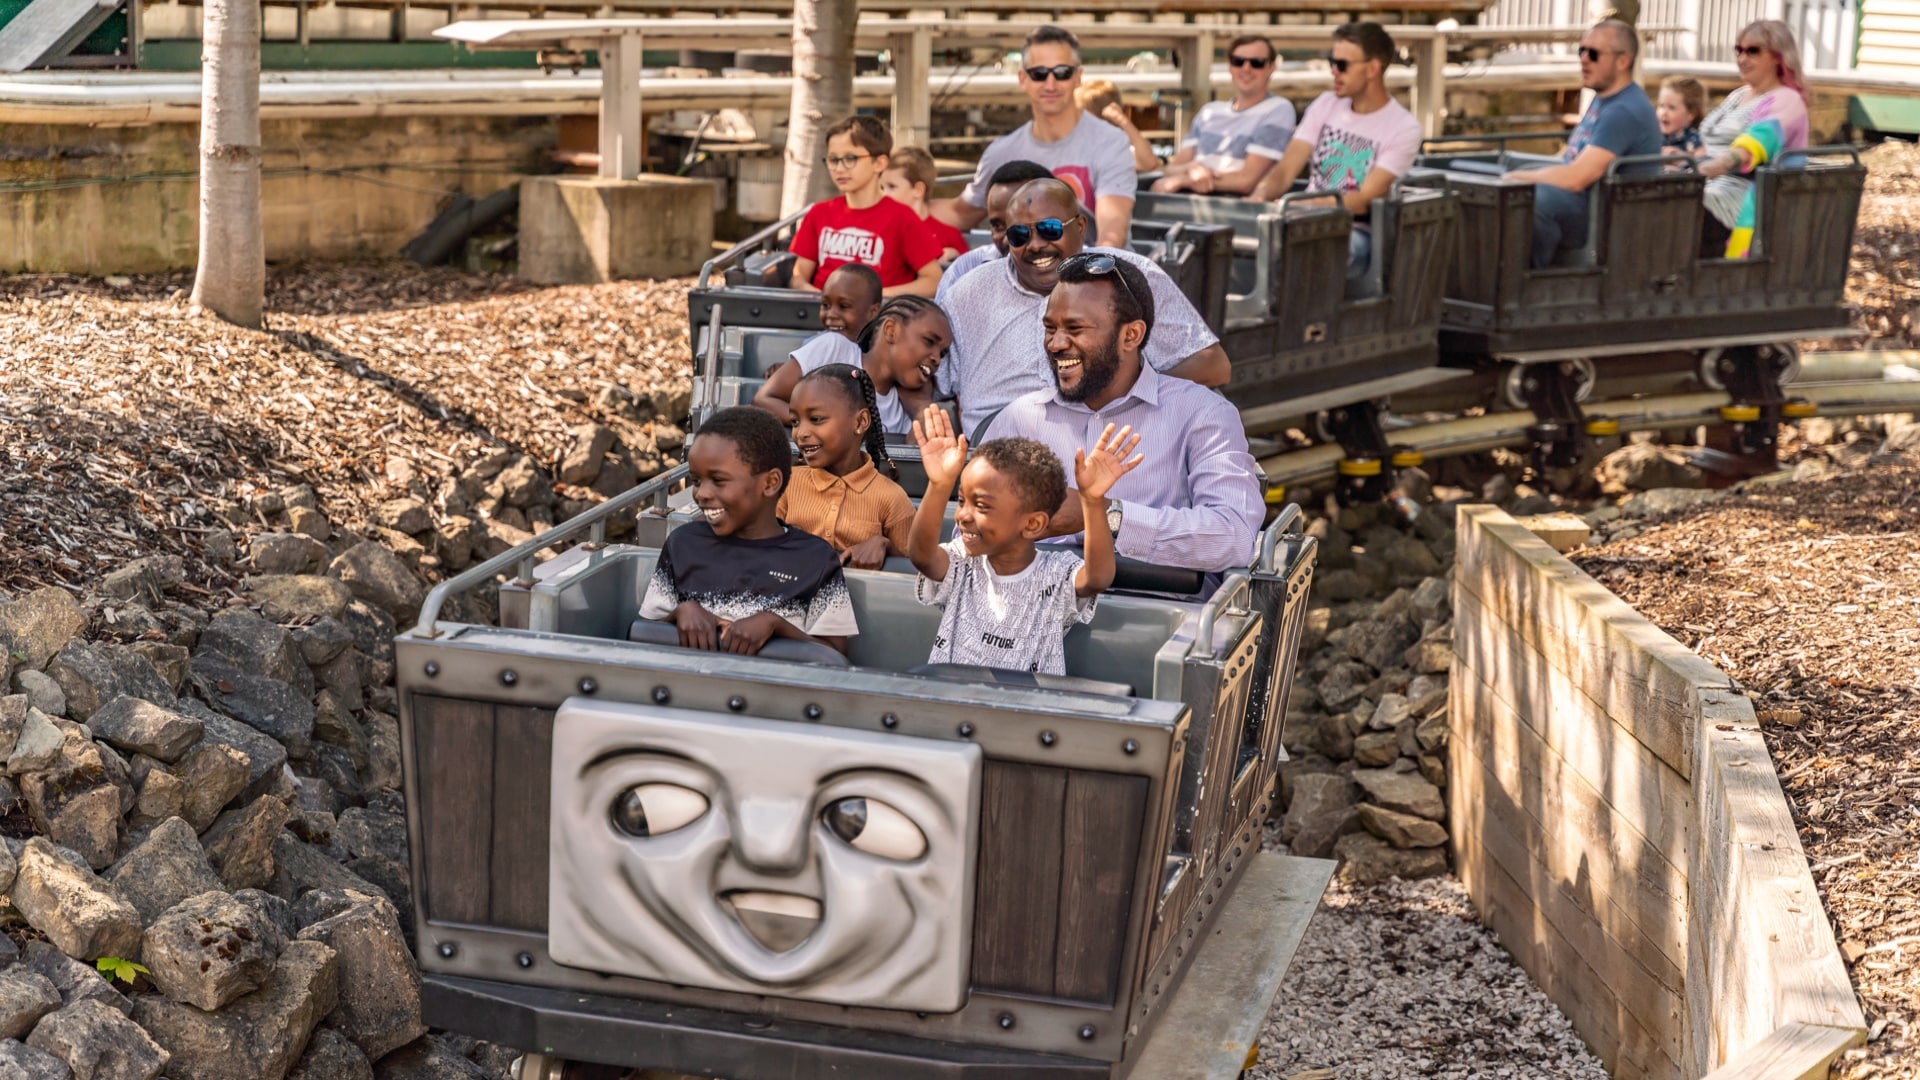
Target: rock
x: 391, y: 877
x: 74, y: 980
x: 141, y: 727
x: 38, y: 744
x: 407, y: 516
x: 167, y: 659
x: 92, y: 675
x: 1401, y: 830
x: 218, y: 547
x: 1375, y: 748
x: 1433, y: 769
x: 429, y: 1058
x: 210, y: 949
x: 18, y: 1061
x: 1403, y: 792
x: 265, y: 757
x: 299, y: 596
x: 212, y: 775
x: 240, y: 844
x: 585, y: 454
x: 1368, y: 860
x: 522, y: 484
x: 1378, y: 642
x: 370, y: 831
x: 299, y: 496
x: 383, y: 752
x: 1322, y: 810
x: 299, y: 868
x: 409, y: 551
x: 379, y: 986
x: 1640, y: 466
x: 1429, y: 657
x: 1426, y: 694
x: 42, y: 691
x: 25, y: 997
x: 260, y: 1035
x: 13, y: 720
x: 9, y: 868
x: 1431, y: 733
x: 321, y: 641
x: 373, y: 574
x: 77, y: 800
x: 1497, y: 490
x: 34, y: 628
x: 1432, y: 599
x: 331, y: 1056
x: 345, y: 677
x: 309, y: 521
x: 335, y: 766
x: 1389, y: 712
x: 1665, y: 501
x: 373, y: 630
x: 162, y: 870
x: 275, y: 910
x: 80, y: 915
x: 453, y: 543
x: 238, y: 638
x: 99, y: 1043
x: 286, y: 553
x: 158, y: 793
x: 1341, y: 584
x: 267, y: 705
x: 1332, y: 737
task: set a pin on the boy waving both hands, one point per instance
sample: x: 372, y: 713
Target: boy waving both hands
x: 1008, y: 603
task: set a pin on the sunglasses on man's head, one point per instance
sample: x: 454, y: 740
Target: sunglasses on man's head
x: 1257, y: 63
x: 1100, y: 264
x: 1058, y: 72
x: 1048, y: 229
x: 1749, y: 50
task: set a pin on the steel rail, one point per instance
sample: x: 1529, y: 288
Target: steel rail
x: 1473, y: 434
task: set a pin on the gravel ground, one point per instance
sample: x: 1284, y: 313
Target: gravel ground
x: 1401, y: 980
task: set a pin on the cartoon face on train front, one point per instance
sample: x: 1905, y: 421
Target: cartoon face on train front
x: 764, y: 857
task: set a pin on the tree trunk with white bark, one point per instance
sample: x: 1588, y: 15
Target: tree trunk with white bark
x: 822, y: 95
x: 231, y: 279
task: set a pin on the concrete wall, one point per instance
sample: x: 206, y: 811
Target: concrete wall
x: 1618, y: 822
x: 113, y: 200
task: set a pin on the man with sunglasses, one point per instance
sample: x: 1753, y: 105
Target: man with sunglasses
x: 1195, y: 501
x: 1091, y: 155
x: 1006, y: 180
x: 999, y: 347
x: 1619, y: 123
x: 1232, y: 144
x: 1355, y: 139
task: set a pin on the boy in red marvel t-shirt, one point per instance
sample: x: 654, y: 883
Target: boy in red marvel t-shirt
x: 861, y: 225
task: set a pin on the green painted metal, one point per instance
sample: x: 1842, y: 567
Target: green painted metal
x: 1883, y: 112
x: 109, y: 40
x: 184, y: 55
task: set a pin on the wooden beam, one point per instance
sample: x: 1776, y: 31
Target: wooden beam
x: 620, y: 148
x: 912, y: 89
x: 1794, y: 1051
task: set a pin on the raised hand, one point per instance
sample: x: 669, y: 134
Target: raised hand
x: 942, y: 453
x: 1096, y: 470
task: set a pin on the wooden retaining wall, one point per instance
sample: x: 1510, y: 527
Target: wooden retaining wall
x: 1618, y: 822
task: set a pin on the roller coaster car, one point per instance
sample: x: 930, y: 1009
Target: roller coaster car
x: 803, y: 865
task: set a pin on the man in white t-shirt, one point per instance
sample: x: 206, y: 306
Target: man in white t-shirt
x: 1355, y: 139
x: 1091, y: 155
x: 1232, y: 144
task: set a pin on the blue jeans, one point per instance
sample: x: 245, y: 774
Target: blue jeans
x: 1359, y: 250
x: 1559, y: 222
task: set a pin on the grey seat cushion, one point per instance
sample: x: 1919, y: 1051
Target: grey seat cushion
x: 654, y: 632
x: 1005, y: 677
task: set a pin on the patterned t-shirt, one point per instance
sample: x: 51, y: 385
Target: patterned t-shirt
x: 1223, y: 138
x: 795, y: 575
x: 1348, y: 145
x: 1017, y: 622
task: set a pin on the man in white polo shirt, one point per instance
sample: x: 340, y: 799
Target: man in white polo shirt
x: 999, y: 345
x: 1232, y: 144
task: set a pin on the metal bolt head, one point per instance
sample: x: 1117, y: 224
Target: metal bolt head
x: 736, y: 703
x: 1047, y: 738
x: 433, y: 668
x: 1087, y: 1031
x: 1130, y: 746
x: 588, y: 686
x: 447, y: 949
x: 661, y: 695
x: 889, y: 721
x: 508, y: 677
x: 966, y: 729
x: 813, y: 712
x: 525, y: 959
x: 1006, y: 1021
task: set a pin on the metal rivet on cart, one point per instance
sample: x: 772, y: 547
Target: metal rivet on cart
x: 1130, y: 746
x: 736, y: 703
x: 966, y: 730
x: 433, y: 668
x: 1006, y: 1021
x: 447, y: 949
x: 525, y: 959
x: 1046, y: 738
x: 508, y: 677
x: 661, y: 695
x: 889, y: 721
x: 1087, y: 1031
x: 813, y: 712
x: 588, y: 686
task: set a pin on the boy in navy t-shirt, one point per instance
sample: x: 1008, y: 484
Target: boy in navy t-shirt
x: 862, y: 225
x: 742, y: 577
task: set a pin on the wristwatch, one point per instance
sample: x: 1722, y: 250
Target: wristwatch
x: 1115, y: 512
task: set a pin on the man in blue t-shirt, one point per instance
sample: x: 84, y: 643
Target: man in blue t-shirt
x: 1620, y: 123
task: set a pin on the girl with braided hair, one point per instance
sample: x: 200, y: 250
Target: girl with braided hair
x: 839, y: 494
x: 901, y: 351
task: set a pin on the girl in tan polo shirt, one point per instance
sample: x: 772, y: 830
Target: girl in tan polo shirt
x: 839, y: 494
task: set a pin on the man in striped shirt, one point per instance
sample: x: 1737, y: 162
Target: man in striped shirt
x: 1195, y: 502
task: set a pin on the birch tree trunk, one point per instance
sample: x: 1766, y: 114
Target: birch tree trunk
x: 231, y: 279
x: 822, y: 95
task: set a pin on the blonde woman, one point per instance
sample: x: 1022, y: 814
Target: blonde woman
x: 1761, y: 120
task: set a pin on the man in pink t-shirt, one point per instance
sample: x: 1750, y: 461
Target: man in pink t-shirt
x: 862, y: 225
x: 1355, y: 139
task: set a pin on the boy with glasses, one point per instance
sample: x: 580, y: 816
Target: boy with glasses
x: 1619, y: 123
x: 1355, y: 139
x: 1232, y: 144
x: 1091, y: 155
x: 861, y: 225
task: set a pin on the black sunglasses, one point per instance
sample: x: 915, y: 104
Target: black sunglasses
x: 1257, y: 63
x: 1048, y: 229
x: 1749, y: 50
x: 1100, y: 264
x: 1338, y: 64
x: 1058, y: 72
x: 1592, y: 55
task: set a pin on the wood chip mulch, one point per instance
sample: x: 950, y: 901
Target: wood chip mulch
x: 1808, y: 594
x: 1885, y: 280
x: 127, y: 424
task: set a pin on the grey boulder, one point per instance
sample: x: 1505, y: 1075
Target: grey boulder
x: 77, y: 911
x: 18, y: 1061
x: 379, y: 1005
x: 209, y: 949
x: 141, y: 727
x: 99, y: 1043
x: 163, y: 869
x: 25, y: 997
x: 260, y: 1035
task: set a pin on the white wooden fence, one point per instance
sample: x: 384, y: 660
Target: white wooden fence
x: 1824, y: 28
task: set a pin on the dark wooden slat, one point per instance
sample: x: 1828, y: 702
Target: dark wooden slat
x: 453, y: 748
x: 1017, y: 896
x: 522, y: 785
x: 1100, y: 848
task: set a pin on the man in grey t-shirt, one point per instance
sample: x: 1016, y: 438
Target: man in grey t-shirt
x: 1092, y: 156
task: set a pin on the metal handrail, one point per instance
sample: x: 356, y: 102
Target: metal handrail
x: 1292, y: 520
x: 1280, y: 205
x: 523, y: 555
x: 708, y: 391
x: 758, y: 241
x: 1237, y: 584
x: 1673, y: 163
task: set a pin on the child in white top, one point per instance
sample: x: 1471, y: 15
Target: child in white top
x: 1008, y: 603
